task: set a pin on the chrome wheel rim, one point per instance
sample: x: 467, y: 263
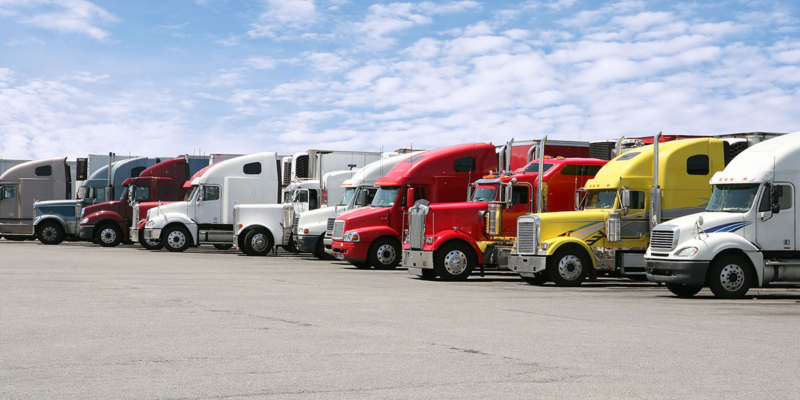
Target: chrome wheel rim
x: 176, y: 239
x: 151, y: 242
x: 259, y: 242
x: 455, y: 262
x: 108, y: 235
x: 386, y: 254
x: 732, y: 277
x: 570, y: 267
x: 49, y: 233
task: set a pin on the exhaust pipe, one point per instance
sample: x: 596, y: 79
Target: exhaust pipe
x: 509, y: 146
x: 500, y: 156
x: 531, y: 152
x: 110, y: 186
x: 655, y: 192
x: 539, y: 195
x: 619, y: 146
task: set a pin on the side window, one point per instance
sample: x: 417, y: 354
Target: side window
x: 580, y: 170
x: 136, y: 171
x: 44, y: 170
x: 419, y: 193
x: 312, y: 199
x: 9, y: 192
x: 637, y: 200
x: 210, y: 193
x: 784, y: 196
x: 370, y: 196
x: 302, y: 196
x: 519, y: 195
x: 142, y: 194
x: 252, y: 168
x: 466, y: 164
x: 697, y: 165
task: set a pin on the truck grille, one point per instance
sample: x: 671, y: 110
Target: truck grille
x: 338, y: 230
x: 295, y: 223
x: 527, y: 235
x: 329, y: 228
x: 662, y: 239
x: 416, y: 226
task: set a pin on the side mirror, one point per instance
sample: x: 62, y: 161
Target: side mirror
x: 362, y: 198
x: 776, y: 208
x: 509, y: 194
x: 578, y: 200
x: 625, y: 200
x: 200, y: 195
x: 774, y: 193
x: 410, y: 198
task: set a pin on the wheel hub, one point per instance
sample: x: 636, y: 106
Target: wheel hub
x: 732, y: 277
x: 570, y: 267
x: 455, y: 262
x: 386, y: 254
x: 49, y: 233
x: 176, y: 239
x: 108, y: 235
x: 259, y: 242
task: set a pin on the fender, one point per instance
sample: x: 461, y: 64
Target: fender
x: 275, y: 231
x: 103, y: 216
x: 444, y: 237
x: 370, y: 233
x: 557, y: 243
x: 38, y: 220
x: 161, y: 221
x: 718, y: 242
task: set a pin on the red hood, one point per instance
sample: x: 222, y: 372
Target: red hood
x: 115, y: 206
x: 365, y: 217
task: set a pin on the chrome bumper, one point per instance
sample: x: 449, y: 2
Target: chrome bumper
x: 417, y: 260
x: 152, y: 234
x: 328, y: 243
x: 527, y: 265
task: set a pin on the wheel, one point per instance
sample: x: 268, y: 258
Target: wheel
x: 454, y: 261
x: 730, y: 277
x: 685, y: 291
x: 319, y: 252
x: 538, y: 279
x: 108, y: 235
x: 568, y: 267
x: 223, y: 246
x: 175, y: 238
x: 49, y: 232
x: 149, y: 244
x: 384, y: 253
x: 257, y: 243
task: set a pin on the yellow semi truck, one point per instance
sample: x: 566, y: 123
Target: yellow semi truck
x: 630, y: 195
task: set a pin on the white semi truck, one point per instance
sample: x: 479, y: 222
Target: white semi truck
x: 747, y: 236
x: 207, y: 215
x: 309, y: 227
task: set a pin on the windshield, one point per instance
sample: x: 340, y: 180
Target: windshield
x: 732, y: 198
x: 386, y: 196
x: 485, y: 194
x: 347, y: 196
x: 601, y: 199
x: 95, y: 192
x: 123, y: 196
x: 190, y: 195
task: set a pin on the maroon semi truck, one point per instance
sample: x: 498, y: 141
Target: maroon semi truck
x: 109, y: 223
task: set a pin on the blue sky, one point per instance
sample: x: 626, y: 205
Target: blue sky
x: 183, y: 76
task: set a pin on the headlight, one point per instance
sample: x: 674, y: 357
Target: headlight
x: 83, y: 211
x: 149, y: 223
x: 84, y: 221
x: 545, y: 245
x: 429, y: 240
x: 352, y: 237
x: 687, y: 252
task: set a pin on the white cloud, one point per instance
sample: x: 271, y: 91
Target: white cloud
x: 261, y: 62
x: 282, y: 15
x: 84, y: 76
x: 327, y: 62
x: 68, y: 16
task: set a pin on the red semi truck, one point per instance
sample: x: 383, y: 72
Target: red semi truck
x: 109, y: 223
x: 450, y: 240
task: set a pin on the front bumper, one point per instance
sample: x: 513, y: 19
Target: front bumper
x: 417, y: 260
x: 328, y: 243
x: 350, y: 251
x: 306, y: 243
x: 86, y: 232
x: 152, y: 234
x: 690, y: 273
x: 527, y: 266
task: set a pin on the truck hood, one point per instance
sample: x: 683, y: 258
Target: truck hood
x: 578, y: 224
x: 317, y: 216
x: 115, y: 206
x: 179, y: 207
x: 365, y: 217
x: 51, y: 203
x: 713, y: 222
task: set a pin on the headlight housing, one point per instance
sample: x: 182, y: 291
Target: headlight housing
x: 687, y: 251
x: 352, y: 237
x: 429, y: 240
x: 85, y: 221
x: 149, y: 224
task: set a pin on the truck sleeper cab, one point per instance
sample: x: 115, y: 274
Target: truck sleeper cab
x: 747, y: 235
x: 22, y: 185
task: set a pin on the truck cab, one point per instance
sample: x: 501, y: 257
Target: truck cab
x: 747, y: 235
x: 371, y: 236
x: 55, y: 221
x: 22, y: 185
x: 207, y: 215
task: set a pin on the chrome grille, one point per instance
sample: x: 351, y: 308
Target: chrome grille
x: 329, y: 228
x: 527, y: 235
x: 338, y: 230
x: 416, y: 226
x: 295, y: 223
x: 662, y: 239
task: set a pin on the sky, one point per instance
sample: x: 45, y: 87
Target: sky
x: 170, y: 77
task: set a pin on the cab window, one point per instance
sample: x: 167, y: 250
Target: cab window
x: 580, y: 170
x: 8, y: 192
x: 519, y: 195
x: 784, y: 194
x: 136, y: 171
x: 466, y: 164
x: 44, y: 170
x: 252, y: 168
x: 697, y: 165
x: 637, y: 200
x: 419, y: 194
x: 210, y: 193
x: 141, y: 193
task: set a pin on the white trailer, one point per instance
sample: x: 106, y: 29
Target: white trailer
x: 747, y: 237
x: 207, y: 215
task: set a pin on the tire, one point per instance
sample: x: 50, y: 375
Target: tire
x: 684, y: 291
x: 176, y: 238
x: 223, y: 246
x: 49, y: 232
x: 319, y: 252
x: 384, y: 253
x: 108, y: 235
x: 730, y: 277
x: 149, y: 244
x: 454, y: 261
x: 538, y: 279
x: 257, y: 242
x: 568, y: 267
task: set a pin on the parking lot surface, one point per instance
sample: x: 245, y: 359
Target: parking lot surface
x: 83, y: 322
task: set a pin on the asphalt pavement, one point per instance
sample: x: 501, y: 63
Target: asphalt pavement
x: 78, y: 321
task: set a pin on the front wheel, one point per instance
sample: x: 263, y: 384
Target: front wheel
x: 50, y: 232
x: 730, y: 277
x: 257, y: 243
x: 108, y: 235
x: 385, y: 253
x: 568, y: 267
x: 149, y: 244
x: 684, y: 291
x: 454, y: 262
x: 175, y: 238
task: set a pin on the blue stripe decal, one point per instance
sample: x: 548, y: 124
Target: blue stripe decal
x: 729, y: 227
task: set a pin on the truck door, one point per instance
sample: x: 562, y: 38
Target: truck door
x: 209, y: 211
x: 776, y: 233
x: 8, y: 202
x: 635, y: 224
x: 520, y: 205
